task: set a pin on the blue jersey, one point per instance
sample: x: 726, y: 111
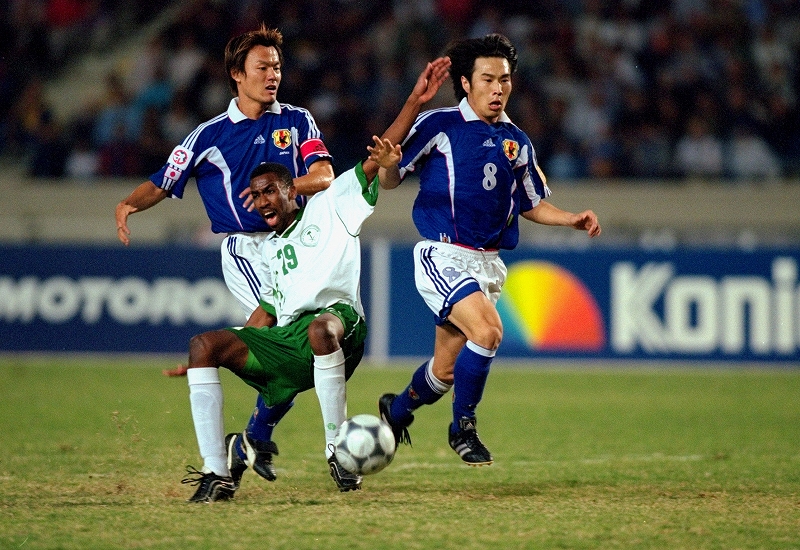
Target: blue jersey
x: 475, y: 178
x: 221, y: 153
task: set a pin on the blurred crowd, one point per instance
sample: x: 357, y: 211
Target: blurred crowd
x: 614, y: 88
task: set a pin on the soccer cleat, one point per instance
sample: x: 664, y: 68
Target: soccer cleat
x: 259, y: 456
x: 467, y: 443
x: 212, y: 487
x: 345, y: 480
x: 399, y: 429
x: 236, y: 465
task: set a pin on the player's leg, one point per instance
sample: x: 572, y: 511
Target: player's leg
x: 208, y: 351
x: 254, y: 447
x: 429, y: 383
x: 442, y: 277
x: 324, y: 335
x: 478, y: 319
x: 282, y: 362
x: 244, y: 272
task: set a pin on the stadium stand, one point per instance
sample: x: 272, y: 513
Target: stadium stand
x: 624, y: 94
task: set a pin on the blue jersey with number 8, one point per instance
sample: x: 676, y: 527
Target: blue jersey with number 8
x: 475, y: 178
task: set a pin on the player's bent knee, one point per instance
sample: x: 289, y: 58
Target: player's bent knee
x: 205, y: 348
x: 489, y: 337
x: 324, y: 334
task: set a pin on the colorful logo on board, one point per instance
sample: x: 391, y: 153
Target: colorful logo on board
x: 547, y: 308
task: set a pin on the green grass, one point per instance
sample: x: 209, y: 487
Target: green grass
x: 93, y: 451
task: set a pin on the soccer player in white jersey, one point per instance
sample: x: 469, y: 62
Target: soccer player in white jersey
x: 315, y: 329
x: 478, y: 173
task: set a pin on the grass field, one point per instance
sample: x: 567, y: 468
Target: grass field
x: 93, y: 451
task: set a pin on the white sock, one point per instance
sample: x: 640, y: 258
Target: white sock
x: 330, y: 385
x: 205, y: 397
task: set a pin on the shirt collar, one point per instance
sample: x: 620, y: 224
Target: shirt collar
x: 237, y: 116
x: 469, y: 115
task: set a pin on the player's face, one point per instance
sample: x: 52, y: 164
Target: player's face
x: 274, y: 201
x: 489, y: 88
x: 261, y: 77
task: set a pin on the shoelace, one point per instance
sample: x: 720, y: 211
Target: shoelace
x: 193, y: 476
x: 405, y: 437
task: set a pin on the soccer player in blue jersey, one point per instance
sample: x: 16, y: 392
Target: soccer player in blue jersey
x: 220, y: 153
x: 478, y: 173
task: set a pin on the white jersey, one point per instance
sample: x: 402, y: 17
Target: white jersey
x: 316, y: 262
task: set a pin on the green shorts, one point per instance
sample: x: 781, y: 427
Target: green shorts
x: 280, y: 363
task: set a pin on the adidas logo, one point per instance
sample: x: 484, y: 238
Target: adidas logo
x: 488, y: 143
x: 259, y: 140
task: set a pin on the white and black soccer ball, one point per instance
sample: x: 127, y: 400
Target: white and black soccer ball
x: 364, y: 444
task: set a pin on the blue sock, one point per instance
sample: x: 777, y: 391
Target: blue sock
x: 424, y: 389
x: 263, y: 422
x: 470, y: 373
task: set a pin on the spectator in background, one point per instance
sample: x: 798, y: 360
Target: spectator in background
x: 749, y: 156
x: 683, y: 55
x: 49, y: 153
x: 83, y: 162
x: 698, y: 152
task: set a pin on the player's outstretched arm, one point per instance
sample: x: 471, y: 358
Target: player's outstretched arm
x: 428, y: 83
x: 548, y: 214
x: 142, y: 198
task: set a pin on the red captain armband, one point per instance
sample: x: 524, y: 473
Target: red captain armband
x: 313, y: 146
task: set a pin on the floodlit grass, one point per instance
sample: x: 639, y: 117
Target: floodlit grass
x: 93, y: 451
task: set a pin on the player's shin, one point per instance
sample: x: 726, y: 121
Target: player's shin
x: 205, y: 398
x: 264, y: 419
x: 424, y: 389
x: 329, y: 381
x: 470, y: 373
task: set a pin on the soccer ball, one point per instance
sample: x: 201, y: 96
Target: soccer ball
x: 364, y: 444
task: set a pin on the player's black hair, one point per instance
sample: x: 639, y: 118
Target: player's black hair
x: 463, y: 53
x: 273, y: 168
x: 239, y: 46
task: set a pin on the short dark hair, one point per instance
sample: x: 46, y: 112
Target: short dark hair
x: 239, y: 46
x: 463, y: 53
x: 273, y: 168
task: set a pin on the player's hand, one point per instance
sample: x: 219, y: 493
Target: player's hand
x: 384, y: 153
x: 587, y: 221
x: 180, y: 370
x: 123, y: 233
x: 248, y: 200
x: 431, y: 79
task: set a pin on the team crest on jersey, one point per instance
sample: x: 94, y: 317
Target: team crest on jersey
x: 511, y: 149
x: 282, y: 138
x: 310, y: 236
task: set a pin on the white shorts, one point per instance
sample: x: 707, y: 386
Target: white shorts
x: 244, y: 269
x: 446, y: 273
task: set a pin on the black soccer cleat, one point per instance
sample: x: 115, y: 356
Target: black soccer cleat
x: 345, y: 480
x: 399, y: 429
x: 467, y: 443
x: 212, y: 487
x: 259, y: 456
x: 236, y: 465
